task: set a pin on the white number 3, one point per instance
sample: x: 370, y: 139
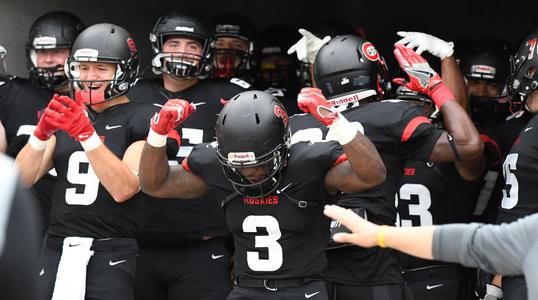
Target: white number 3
x: 274, y: 251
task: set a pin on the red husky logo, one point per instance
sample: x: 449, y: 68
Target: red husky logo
x: 281, y: 113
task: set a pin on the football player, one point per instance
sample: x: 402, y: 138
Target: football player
x: 352, y: 75
x: 94, y: 143
x: 276, y: 72
x: 519, y: 167
x: 185, y: 245
x: 48, y: 45
x: 233, y: 47
x: 271, y: 193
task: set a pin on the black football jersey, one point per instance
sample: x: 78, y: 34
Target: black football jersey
x: 171, y: 222
x: 520, y: 169
x: 20, y: 107
x: 81, y: 206
x: 400, y: 131
x: 21, y: 104
x: 433, y: 194
x: 274, y: 237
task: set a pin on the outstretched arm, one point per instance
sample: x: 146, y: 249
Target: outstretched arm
x: 157, y: 178
x: 364, y: 168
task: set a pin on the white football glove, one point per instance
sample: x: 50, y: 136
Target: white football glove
x: 308, y: 46
x: 426, y: 42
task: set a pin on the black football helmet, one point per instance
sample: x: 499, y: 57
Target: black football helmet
x: 106, y: 43
x: 523, y: 79
x: 3, y: 69
x: 233, y: 62
x: 348, y: 69
x: 274, y: 42
x: 181, y: 64
x: 491, y: 66
x: 430, y: 109
x: 53, y: 30
x: 252, y: 131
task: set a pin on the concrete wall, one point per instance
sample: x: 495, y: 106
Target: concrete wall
x: 381, y: 19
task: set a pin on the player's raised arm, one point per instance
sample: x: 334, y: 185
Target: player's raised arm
x: 156, y: 177
x: 364, y: 168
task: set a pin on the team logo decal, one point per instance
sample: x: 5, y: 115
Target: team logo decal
x: 281, y: 113
x: 370, y: 51
x: 132, y: 46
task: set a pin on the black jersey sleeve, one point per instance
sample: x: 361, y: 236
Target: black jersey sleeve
x: 146, y: 91
x: 418, y: 135
x: 139, y: 124
x: 203, y: 162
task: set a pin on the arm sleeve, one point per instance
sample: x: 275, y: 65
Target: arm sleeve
x: 495, y: 248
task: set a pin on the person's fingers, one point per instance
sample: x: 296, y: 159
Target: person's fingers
x: 343, y: 237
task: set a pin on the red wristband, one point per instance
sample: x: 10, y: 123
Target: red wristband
x: 441, y: 94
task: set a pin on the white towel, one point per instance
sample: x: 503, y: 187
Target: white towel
x: 71, y: 276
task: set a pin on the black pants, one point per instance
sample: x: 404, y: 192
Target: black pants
x: 338, y: 291
x: 200, y: 271
x: 436, y: 282
x: 312, y: 290
x: 110, y: 272
x: 514, y: 288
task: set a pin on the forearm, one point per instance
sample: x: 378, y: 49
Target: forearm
x: 466, y: 137
x: 3, y: 140
x: 29, y: 162
x: 365, y: 160
x: 117, y: 178
x: 154, y: 169
x: 416, y: 241
x: 453, y: 79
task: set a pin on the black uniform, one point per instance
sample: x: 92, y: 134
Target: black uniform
x: 185, y: 246
x: 288, y: 98
x: 82, y: 207
x: 20, y: 106
x: 400, y: 131
x: 431, y: 194
x: 279, y: 239
x: 519, y: 194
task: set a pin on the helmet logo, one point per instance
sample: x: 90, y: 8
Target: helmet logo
x: 532, y: 45
x: 370, y: 52
x: 485, y: 70
x: 86, y: 54
x: 44, y: 42
x: 279, y: 112
x: 132, y: 45
x: 344, y: 81
x: 227, y: 28
x: 242, y: 157
x: 184, y: 28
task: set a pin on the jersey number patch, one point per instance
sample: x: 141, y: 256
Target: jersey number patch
x: 511, y: 188
x: 421, y: 210
x: 270, y: 242
x: 80, y: 172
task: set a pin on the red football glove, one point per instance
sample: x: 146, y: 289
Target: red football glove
x: 44, y: 129
x: 422, y: 78
x: 71, y: 117
x: 173, y: 113
x: 312, y: 101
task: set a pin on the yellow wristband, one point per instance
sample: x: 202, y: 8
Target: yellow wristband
x: 381, y: 236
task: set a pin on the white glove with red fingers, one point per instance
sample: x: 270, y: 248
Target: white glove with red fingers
x: 426, y: 42
x: 71, y: 117
x: 173, y: 113
x: 312, y: 101
x: 422, y: 78
x: 308, y: 46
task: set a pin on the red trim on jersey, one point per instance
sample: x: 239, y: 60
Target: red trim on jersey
x: 342, y: 158
x: 412, y: 126
x: 487, y: 139
x: 185, y: 165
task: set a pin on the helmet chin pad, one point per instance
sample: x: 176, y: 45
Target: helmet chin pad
x: 89, y: 97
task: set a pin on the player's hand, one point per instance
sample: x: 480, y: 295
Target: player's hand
x: 71, y: 117
x: 44, y: 129
x: 173, y: 113
x: 363, y: 233
x: 312, y: 101
x: 308, y: 46
x: 426, y: 42
x: 422, y: 78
